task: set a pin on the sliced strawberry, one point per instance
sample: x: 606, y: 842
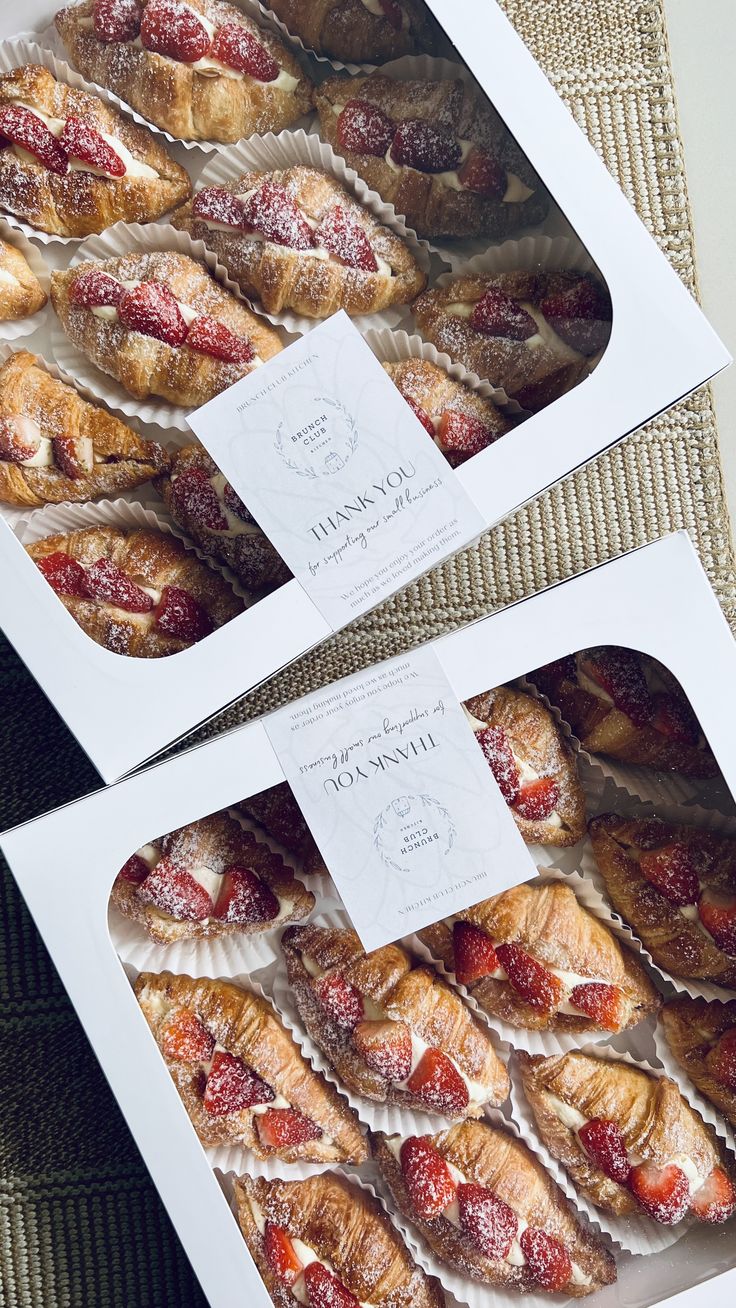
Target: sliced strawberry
x: 721, y: 1059
x: 489, y: 1222
x: 535, y: 983
x: 496, y: 314
x: 245, y: 898
x: 363, y: 127
x: 235, y: 504
x: 670, y: 869
x: 663, y: 1192
x: 194, y: 497
x: 421, y: 414
x: 325, y: 1290
x: 215, y: 204
x: 345, y: 238
x: 427, y: 1177
x: 95, y: 287
x: 429, y: 149
x: 473, y: 953
x: 461, y: 435
x: 152, y: 310
x: 178, y: 614
x: 171, y: 28
x: 116, y: 20
x: 385, y: 1047
x: 549, y: 1262
x: 620, y: 673
x: 601, y: 1001
x: 186, y: 1040
x: 717, y: 910
x: 484, y: 175
x: 81, y: 140
x: 64, y: 574
x: 106, y: 582
x: 500, y: 758
x: 393, y: 13
x: 280, y: 1253
x: 715, y: 1200
x: 232, y: 1086
x: 340, y: 1000
x: 73, y: 456
x: 605, y: 1145
x: 18, y: 439
x: 24, y: 128
x: 172, y: 889
x: 271, y: 211
x: 580, y: 315
x: 439, y: 1085
x: 281, y: 1128
x: 537, y: 799
x: 208, y: 336
x: 675, y: 719
x: 235, y: 46
x: 135, y: 869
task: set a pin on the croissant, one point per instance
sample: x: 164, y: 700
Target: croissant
x: 241, y: 1076
x: 350, y: 30
x: 532, y: 763
x: 628, y: 706
x: 533, y: 957
x: 139, y: 593
x: 314, y: 1240
x: 209, y: 878
x: 460, y: 422
x: 629, y: 1140
x: 436, y: 151
x: 56, y: 447
x: 71, y: 165
x: 536, y: 334
x: 200, y: 71
x: 676, y: 887
x: 702, y: 1037
x: 21, y: 293
x: 296, y: 239
x: 488, y: 1209
x: 280, y: 816
x: 160, y: 325
x: 393, y: 1031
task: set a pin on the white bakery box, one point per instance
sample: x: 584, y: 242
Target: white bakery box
x: 661, y: 348
x: 627, y: 602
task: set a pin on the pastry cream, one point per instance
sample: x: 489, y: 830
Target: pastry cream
x: 133, y: 167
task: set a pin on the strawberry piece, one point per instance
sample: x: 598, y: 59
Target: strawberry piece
x: 537, y: 799
x: 601, y: 1001
x: 473, y: 952
x: 17, y: 440
x: 393, y: 13
x: 135, y: 869
x: 385, y: 1047
x: 439, y: 1085
x: 620, y: 673
x: 715, y: 1199
x: 670, y: 869
x: 325, y: 1290
x: 208, y: 336
x: 421, y: 414
x: 64, y: 575
x: 489, y: 1222
x: 427, y: 1177
x: 22, y: 127
x: 549, y: 1262
x: 717, y: 910
x: 106, y: 582
x: 535, y: 983
x: 721, y: 1059
x: 245, y: 898
x: 496, y: 314
x: 116, y: 20
x: 341, y: 234
x: 663, y: 1192
x: 429, y: 149
x: 340, y: 1000
x: 605, y: 1145
x: 74, y: 457
x: 675, y: 719
x: 232, y: 1086
x: 186, y: 1040
x: 173, y: 29
x: 484, y: 175
x: 235, y: 46
x: 500, y: 758
x: 152, y: 310
x: 580, y: 315
x: 271, y: 211
x: 363, y: 127
x: 235, y: 504
x: 216, y: 205
x: 280, y: 1253
x: 462, y: 435
x: 194, y: 497
x: 281, y: 1128
x: 172, y: 889
x: 178, y: 614
x: 81, y: 140
x: 95, y: 287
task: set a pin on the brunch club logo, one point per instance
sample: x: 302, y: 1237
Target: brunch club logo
x: 319, y: 445
x: 410, y: 828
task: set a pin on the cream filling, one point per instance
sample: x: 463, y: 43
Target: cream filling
x: 304, y: 1252
x: 28, y: 430
x: 133, y: 167
x: 109, y: 313
x: 314, y: 251
x: 544, y: 336
x: 516, y: 190
x: 209, y: 67
x: 235, y: 525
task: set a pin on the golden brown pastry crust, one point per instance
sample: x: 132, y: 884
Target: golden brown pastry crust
x: 280, y: 816
x: 433, y: 390
x: 284, y: 278
x: 494, y: 1158
x: 674, y: 942
x: 346, y: 29
x: 692, y: 1027
x: 24, y: 295
x: 347, y: 1228
x: 150, y: 558
x: 28, y: 390
x: 247, y: 1026
x: 78, y: 203
x: 177, y: 98
x: 548, y: 922
x: 146, y: 366
x: 407, y: 992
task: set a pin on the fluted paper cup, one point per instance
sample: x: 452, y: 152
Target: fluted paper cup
x: 703, y: 1106
x: 394, y: 346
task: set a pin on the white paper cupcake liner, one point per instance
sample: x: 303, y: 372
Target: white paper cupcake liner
x: 393, y: 346
x: 677, y: 1072
x: 529, y: 253
x: 14, y: 329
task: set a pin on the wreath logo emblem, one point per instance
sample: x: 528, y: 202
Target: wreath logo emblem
x: 409, y: 826
x: 321, y: 447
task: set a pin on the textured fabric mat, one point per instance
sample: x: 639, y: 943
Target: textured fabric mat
x: 80, y: 1224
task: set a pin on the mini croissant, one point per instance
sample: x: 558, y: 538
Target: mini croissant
x: 702, y: 1036
x: 21, y: 293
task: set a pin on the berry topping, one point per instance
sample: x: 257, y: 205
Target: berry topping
x: 178, y: 614
x: 462, y: 435
x: 18, y: 441
x: 235, y: 504
x: 721, y: 1059
x: 171, y: 28
x: 364, y: 127
x: 393, y: 13
x: 135, y: 870
x: 670, y: 869
x: 81, y: 140
x: 281, y: 1128
x: 106, y: 582
x: 484, y: 175
x: 172, y: 889
x: 232, y: 1086
x: 324, y: 1290
x: 580, y: 315
x: 549, y: 1262
x: 421, y: 414
x: 620, y: 673
x: 534, y: 982
x: 152, y: 310
x: 186, y: 1040
x: 24, y: 128
x: 717, y: 909
x: 385, y: 1047
x: 95, y: 287
x: 496, y: 314
x: 194, y: 497
x: 429, y: 149
x: 473, y: 952
x: 439, y: 1085
x: 674, y: 718
x: 216, y: 205
x: 280, y: 1253
x: 64, y: 575
x: 271, y: 211
x: 427, y: 1177
x: 601, y: 1001
x: 235, y: 46
x: 537, y: 799
x: 605, y: 1145
x: 245, y: 898
x: 663, y: 1192
x: 345, y: 238
x: 74, y: 457
x: 499, y: 756
x: 116, y: 20
x: 487, y: 1220
x: 340, y: 1000
x: 715, y: 1199
x: 208, y: 336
